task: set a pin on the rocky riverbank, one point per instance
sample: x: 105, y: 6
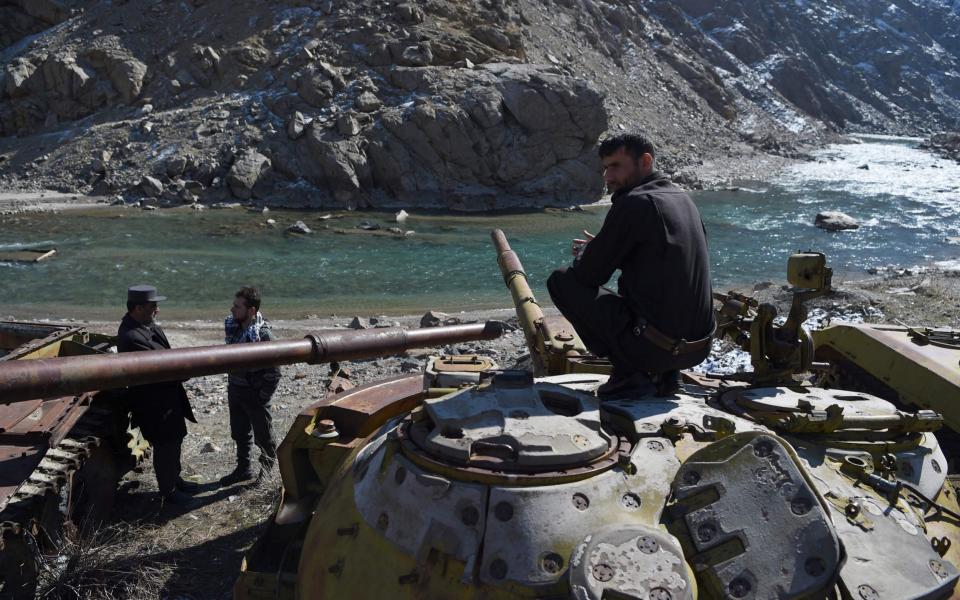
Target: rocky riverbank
x: 946, y: 145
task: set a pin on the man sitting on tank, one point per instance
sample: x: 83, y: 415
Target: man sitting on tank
x: 660, y: 319
x: 249, y: 392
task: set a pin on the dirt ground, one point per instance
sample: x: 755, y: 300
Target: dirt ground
x: 196, y: 554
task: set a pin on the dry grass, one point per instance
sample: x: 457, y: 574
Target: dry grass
x: 108, y: 563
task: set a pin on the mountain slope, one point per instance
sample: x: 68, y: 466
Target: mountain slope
x: 469, y: 105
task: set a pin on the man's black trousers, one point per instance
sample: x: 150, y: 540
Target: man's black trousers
x: 605, y: 322
x: 166, y: 464
x: 248, y: 413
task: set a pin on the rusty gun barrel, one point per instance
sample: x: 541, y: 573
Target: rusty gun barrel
x: 58, y: 377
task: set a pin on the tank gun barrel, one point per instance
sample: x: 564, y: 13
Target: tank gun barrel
x: 58, y: 377
x: 554, y: 344
x: 529, y: 312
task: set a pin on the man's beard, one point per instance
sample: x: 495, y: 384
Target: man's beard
x: 149, y: 319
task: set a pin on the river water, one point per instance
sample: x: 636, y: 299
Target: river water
x: 907, y: 200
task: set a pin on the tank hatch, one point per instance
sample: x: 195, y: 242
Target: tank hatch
x: 516, y: 426
x: 784, y: 399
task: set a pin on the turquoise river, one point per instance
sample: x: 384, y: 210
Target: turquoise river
x: 907, y: 200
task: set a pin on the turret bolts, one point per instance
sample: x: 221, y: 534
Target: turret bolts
x: 325, y: 429
x: 603, y: 572
x: 580, y: 501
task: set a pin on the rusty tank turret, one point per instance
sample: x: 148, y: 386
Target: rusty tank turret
x: 472, y: 481
x: 64, y: 444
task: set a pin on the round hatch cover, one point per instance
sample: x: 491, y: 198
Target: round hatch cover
x: 527, y: 427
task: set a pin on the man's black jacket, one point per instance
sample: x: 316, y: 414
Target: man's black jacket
x: 654, y: 235
x: 159, y: 409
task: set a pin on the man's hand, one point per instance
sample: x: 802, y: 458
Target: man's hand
x: 578, y: 246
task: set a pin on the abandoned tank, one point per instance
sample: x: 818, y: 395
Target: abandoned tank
x: 64, y: 445
x: 820, y: 474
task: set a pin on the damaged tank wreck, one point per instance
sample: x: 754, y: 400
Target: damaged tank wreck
x: 476, y: 482
x: 817, y: 475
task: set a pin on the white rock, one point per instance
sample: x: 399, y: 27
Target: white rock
x: 299, y: 227
x: 833, y: 220
x: 402, y: 216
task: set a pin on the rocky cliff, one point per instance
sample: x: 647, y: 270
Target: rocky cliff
x: 470, y: 105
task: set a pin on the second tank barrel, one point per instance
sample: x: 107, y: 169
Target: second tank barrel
x: 58, y: 377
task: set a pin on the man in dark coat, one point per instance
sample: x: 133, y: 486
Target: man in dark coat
x: 661, y: 318
x: 160, y: 410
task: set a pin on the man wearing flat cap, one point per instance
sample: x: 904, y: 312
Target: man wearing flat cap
x: 159, y: 409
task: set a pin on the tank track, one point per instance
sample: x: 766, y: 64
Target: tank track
x: 53, y: 502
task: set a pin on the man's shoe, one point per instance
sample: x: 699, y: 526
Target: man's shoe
x: 634, y: 384
x: 188, y: 487
x: 181, y: 500
x: 241, y: 473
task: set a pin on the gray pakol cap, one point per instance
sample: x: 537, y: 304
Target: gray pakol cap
x: 142, y: 294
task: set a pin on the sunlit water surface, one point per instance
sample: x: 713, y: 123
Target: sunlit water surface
x: 908, y: 202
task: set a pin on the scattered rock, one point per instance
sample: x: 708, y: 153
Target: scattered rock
x: 348, y: 125
x: 835, y: 221
x: 209, y: 447
x: 245, y: 172
x: 175, y: 166
x: 410, y: 13
x: 368, y: 226
x: 433, y: 319
x: 299, y: 227
x: 864, y: 167
x: 151, y: 186
x: 356, y: 323
x: 297, y: 124
x: 367, y: 102
x: 401, y: 216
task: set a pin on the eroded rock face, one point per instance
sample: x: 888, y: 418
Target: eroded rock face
x: 65, y: 85
x: 509, y: 133
x: 889, y: 65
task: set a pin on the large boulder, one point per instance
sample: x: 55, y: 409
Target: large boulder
x: 833, y: 220
x: 339, y: 165
x: 246, y: 172
x: 125, y: 72
x: 16, y: 76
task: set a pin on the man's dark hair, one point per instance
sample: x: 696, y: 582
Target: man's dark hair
x: 633, y: 143
x: 131, y: 305
x: 250, y: 295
